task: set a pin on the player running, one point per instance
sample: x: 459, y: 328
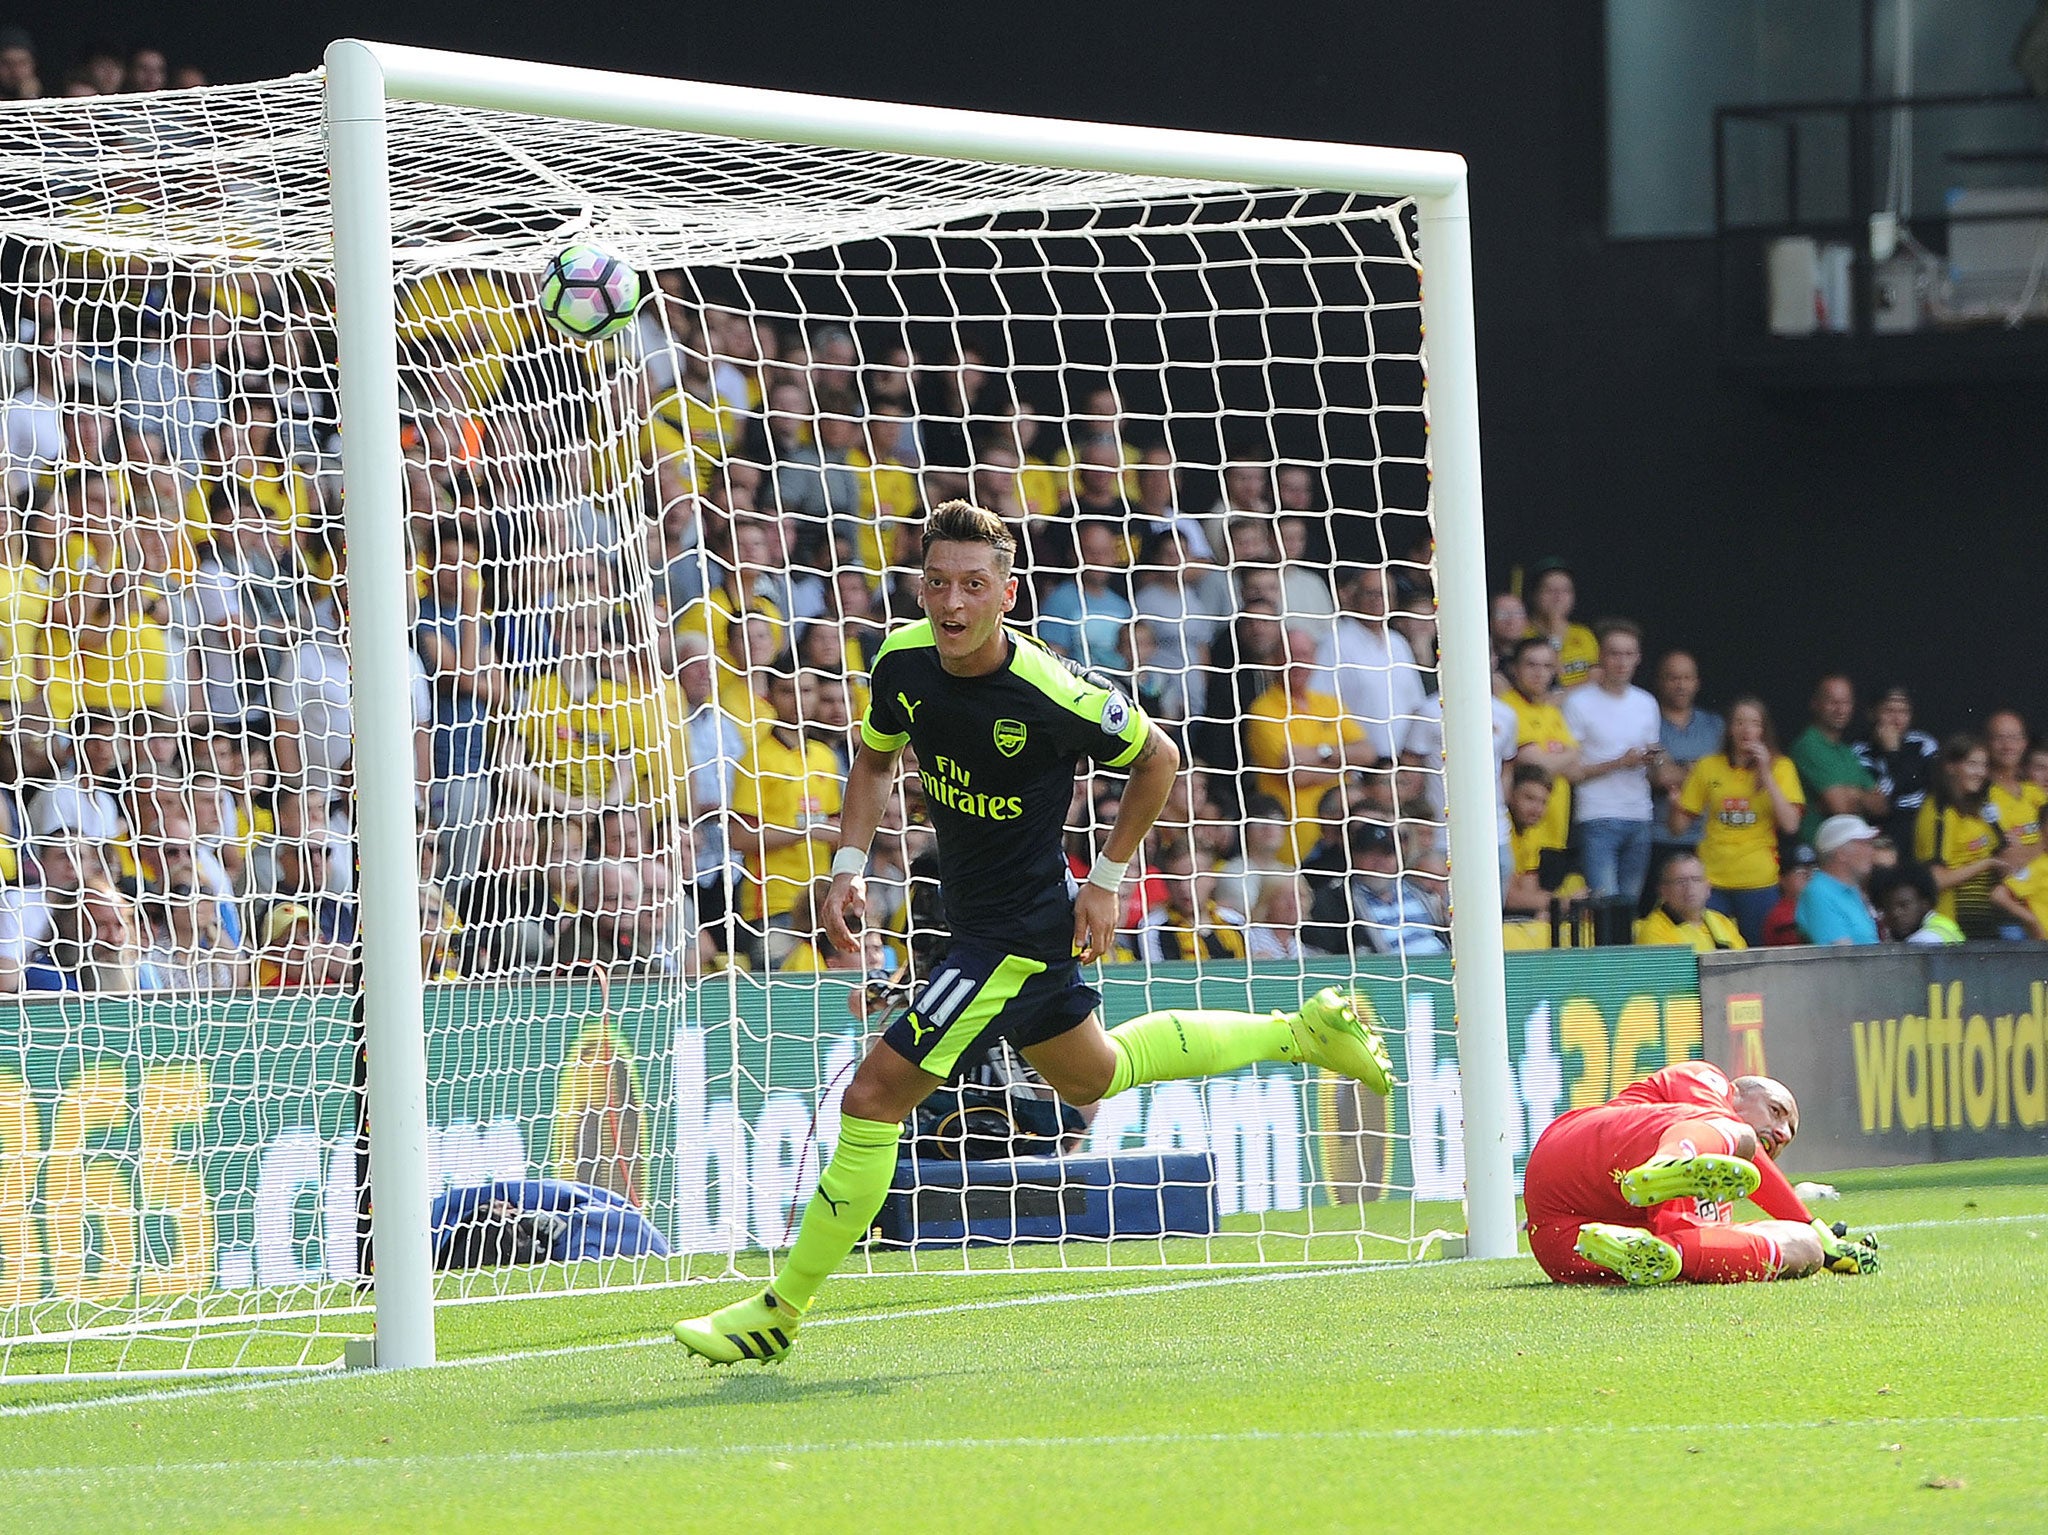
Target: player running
x: 998, y: 724
x: 1639, y: 1190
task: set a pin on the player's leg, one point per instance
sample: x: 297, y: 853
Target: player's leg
x: 1580, y: 1229
x: 1086, y: 1062
x: 1631, y: 1254
x: 971, y: 992
x: 883, y: 1092
x: 1710, y: 1158
x: 1721, y: 1253
x: 1554, y: 1244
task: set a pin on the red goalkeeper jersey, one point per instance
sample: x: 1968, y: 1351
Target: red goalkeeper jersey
x: 1575, y: 1168
x: 1689, y: 1082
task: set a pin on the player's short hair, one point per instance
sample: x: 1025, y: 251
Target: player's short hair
x: 1627, y: 626
x: 1531, y: 773
x: 781, y: 666
x: 962, y: 522
x: 1771, y: 1088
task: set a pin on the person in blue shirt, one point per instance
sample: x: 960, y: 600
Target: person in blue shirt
x: 1379, y: 909
x: 1834, y: 908
x: 1087, y: 615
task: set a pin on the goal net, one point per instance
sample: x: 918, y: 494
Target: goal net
x: 646, y: 577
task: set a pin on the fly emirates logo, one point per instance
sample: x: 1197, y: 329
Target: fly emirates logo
x: 947, y: 783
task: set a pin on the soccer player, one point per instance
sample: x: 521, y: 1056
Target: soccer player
x: 998, y: 723
x: 1639, y: 1190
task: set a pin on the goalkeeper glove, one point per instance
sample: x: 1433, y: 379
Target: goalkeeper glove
x: 1844, y: 1254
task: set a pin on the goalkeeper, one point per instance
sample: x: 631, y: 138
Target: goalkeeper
x: 1639, y: 1190
x: 999, y: 725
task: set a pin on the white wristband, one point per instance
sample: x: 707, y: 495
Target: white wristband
x: 849, y: 860
x: 1107, y: 874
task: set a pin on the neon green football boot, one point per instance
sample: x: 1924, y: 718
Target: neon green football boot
x: 1330, y: 1032
x: 759, y: 1327
x: 1638, y: 1256
x: 1707, y: 1175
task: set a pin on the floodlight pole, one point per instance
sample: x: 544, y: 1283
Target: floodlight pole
x: 381, y: 696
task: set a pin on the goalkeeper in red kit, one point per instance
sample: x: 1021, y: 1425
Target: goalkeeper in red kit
x: 1640, y: 1190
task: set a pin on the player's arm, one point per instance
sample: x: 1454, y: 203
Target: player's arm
x: 1775, y: 1195
x: 1096, y: 907
x: 2018, y: 910
x: 868, y: 785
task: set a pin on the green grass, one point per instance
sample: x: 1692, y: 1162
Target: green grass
x: 1438, y: 1396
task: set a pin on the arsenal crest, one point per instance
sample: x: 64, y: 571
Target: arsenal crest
x: 1009, y: 737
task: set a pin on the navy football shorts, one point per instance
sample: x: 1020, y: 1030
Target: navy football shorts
x: 980, y: 994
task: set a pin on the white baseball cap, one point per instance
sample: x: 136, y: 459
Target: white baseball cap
x: 1838, y: 831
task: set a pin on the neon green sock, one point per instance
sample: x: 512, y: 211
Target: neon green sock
x: 1166, y: 1047
x: 850, y: 1194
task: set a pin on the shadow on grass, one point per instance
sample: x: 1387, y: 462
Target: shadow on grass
x: 741, y: 1385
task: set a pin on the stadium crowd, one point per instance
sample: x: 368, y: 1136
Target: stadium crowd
x: 649, y: 575
x: 100, y: 70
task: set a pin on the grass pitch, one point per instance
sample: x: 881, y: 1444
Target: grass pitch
x: 1438, y: 1396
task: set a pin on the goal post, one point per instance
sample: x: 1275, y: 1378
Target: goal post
x: 366, y: 334
x: 424, y: 706
x: 362, y: 77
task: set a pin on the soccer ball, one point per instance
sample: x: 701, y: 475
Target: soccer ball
x: 588, y: 294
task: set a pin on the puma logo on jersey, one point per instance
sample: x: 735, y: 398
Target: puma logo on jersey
x: 909, y: 709
x: 919, y: 1028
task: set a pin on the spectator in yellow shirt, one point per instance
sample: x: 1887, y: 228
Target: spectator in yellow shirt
x: 570, y: 752
x: 1528, y: 804
x: 109, y: 645
x: 1682, y: 915
x: 1188, y: 925
x: 1551, y: 595
x: 1526, y: 899
x: 1301, y: 740
x: 785, y: 802
x: 1959, y: 838
x: 2019, y: 802
x: 1542, y: 738
x: 1747, y: 795
x: 741, y: 553
x: 2023, y: 896
x: 24, y: 606
x: 241, y: 450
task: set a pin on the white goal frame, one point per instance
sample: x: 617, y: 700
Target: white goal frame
x: 361, y: 77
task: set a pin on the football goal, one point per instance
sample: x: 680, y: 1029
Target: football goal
x: 426, y: 715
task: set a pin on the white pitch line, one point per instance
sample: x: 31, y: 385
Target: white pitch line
x: 1960, y: 1220
x: 1050, y: 1298
x: 602, y: 1455
x: 519, y: 1356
